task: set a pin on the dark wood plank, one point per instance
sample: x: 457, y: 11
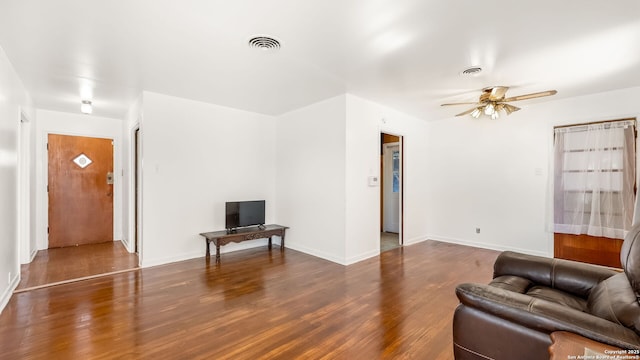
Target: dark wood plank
x: 589, y: 249
x: 255, y: 305
x: 61, y: 264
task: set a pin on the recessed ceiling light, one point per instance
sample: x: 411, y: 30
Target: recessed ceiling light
x: 474, y: 70
x: 264, y: 42
x: 86, y: 107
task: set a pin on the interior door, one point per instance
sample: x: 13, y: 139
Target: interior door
x: 391, y: 190
x: 80, y: 185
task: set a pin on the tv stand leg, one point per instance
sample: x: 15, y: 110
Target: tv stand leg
x: 282, y: 241
x: 208, y: 247
x: 217, y: 253
x: 270, y: 237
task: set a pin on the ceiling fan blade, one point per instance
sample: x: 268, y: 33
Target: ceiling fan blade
x: 497, y: 92
x: 531, y: 96
x: 508, y: 108
x: 466, y: 112
x: 462, y: 103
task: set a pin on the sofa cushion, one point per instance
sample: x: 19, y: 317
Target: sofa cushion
x: 512, y: 283
x: 630, y: 258
x: 564, y: 275
x: 613, y: 299
x: 558, y: 297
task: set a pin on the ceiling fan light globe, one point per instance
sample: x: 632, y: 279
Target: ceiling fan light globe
x: 476, y: 113
x: 495, y: 115
x: 489, y: 109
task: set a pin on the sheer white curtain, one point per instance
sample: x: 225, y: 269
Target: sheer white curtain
x: 594, y: 179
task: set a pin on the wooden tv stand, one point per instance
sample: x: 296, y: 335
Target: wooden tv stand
x: 224, y: 237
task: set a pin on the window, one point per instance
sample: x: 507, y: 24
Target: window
x: 594, y: 180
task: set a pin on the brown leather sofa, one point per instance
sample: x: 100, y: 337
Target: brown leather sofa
x: 530, y: 297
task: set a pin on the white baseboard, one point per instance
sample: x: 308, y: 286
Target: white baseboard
x: 363, y: 256
x: 200, y: 253
x: 488, y: 246
x: 415, y: 240
x: 316, y: 253
x: 126, y: 244
x: 33, y: 255
x: 6, y: 295
x: 170, y: 259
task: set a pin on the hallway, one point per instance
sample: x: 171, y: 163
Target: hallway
x: 66, y: 264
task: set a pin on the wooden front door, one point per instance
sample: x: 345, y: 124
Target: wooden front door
x: 80, y: 185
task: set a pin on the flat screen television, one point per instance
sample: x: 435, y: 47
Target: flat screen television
x: 244, y: 213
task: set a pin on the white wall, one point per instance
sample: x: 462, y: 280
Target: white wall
x: 494, y: 174
x: 365, y: 121
x: 196, y: 156
x: 14, y: 100
x: 311, y: 178
x: 326, y: 152
x: 54, y: 122
x: 27, y: 215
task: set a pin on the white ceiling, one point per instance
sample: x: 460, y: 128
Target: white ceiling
x: 405, y: 54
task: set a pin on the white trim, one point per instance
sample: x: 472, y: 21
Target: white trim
x: 364, y: 256
x: 316, y: 253
x: 33, y: 254
x: 69, y: 281
x: 6, y: 296
x: 416, y: 240
x: 171, y: 259
x: 125, y: 242
x: 229, y: 248
x: 488, y: 246
x: 135, y: 192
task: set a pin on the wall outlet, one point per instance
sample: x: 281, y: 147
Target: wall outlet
x: 477, y: 230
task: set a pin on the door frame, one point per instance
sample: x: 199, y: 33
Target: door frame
x: 133, y: 179
x: 401, y: 195
x: 42, y: 156
x: 135, y: 191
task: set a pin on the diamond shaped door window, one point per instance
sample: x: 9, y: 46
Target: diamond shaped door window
x: 82, y: 160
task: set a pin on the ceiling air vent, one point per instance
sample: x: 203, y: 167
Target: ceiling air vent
x: 474, y: 70
x: 264, y: 43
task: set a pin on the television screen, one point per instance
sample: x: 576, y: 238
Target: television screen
x: 244, y: 213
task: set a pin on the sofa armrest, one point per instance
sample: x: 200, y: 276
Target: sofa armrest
x: 544, y: 316
x: 566, y: 275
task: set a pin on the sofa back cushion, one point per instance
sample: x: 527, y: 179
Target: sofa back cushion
x: 569, y: 276
x: 614, y: 299
x: 630, y: 258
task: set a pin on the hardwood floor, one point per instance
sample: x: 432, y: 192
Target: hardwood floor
x: 256, y: 304
x: 74, y: 262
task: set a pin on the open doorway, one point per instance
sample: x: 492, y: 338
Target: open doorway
x: 80, y: 240
x: 391, y: 186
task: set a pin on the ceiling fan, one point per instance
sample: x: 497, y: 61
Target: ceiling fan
x: 492, y: 101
